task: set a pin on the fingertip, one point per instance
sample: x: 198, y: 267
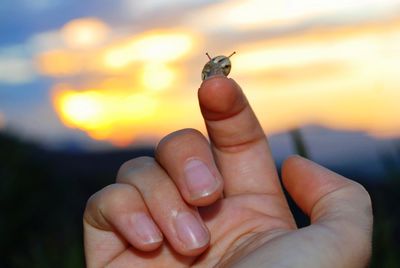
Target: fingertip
x: 141, y: 231
x: 307, y: 182
x: 203, y: 181
x: 220, y: 97
x: 296, y: 165
x: 194, y: 252
x: 192, y: 233
x: 208, y: 198
x: 290, y: 165
x: 291, y: 160
x: 151, y: 246
x: 186, y: 156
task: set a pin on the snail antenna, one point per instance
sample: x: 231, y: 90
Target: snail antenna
x: 208, y: 55
x: 234, y: 52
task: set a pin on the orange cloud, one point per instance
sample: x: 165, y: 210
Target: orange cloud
x: 103, y: 114
x: 154, y: 49
x: 153, y: 46
x: 343, y: 77
x: 120, y: 116
x: 245, y: 15
x: 60, y: 63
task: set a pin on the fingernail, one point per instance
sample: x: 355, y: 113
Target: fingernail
x: 199, y: 180
x: 190, y: 231
x: 146, y: 229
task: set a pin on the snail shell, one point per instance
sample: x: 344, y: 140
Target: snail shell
x: 220, y: 65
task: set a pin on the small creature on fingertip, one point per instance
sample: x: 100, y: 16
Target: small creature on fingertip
x: 220, y: 65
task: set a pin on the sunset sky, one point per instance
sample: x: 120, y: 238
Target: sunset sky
x: 126, y: 72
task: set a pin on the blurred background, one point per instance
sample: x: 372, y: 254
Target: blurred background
x: 87, y: 85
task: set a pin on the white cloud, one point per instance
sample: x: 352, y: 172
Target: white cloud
x: 258, y: 14
x: 140, y: 6
x: 16, y: 66
x: 45, y: 41
x: 16, y: 61
x: 134, y: 8
x: 16, y: 70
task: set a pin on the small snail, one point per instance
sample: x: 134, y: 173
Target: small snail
x: 220, y: 65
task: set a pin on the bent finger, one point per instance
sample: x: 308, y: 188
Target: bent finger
x: 180, y: 223
x: 118, y: 213
x: 186, y: 156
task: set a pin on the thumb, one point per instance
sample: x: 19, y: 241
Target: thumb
x: 324, y: 195
x: 341, y: 205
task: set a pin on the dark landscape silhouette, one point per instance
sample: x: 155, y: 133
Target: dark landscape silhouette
x: 43, y: 194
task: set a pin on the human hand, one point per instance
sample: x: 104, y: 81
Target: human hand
x: 221, y: 204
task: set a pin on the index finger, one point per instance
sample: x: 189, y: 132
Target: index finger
x: 238, y: 141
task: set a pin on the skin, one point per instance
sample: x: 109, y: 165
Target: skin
x: 245, y: 217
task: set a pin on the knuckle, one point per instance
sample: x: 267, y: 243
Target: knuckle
x: 112, y: 199
x: 96, y: 201
x: 145, y: 175
x: 363, y: 193
x: 366, y: 201
x: 91, y: 203
x: 139, y: 164
x: 116, y: 198
x: 158, y: 189
x: 291, y: 161
x: 98, y: 197
x: 175, y: 139
x: 362, y: 202
x: 115, y: 195
x: 110, y: 195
